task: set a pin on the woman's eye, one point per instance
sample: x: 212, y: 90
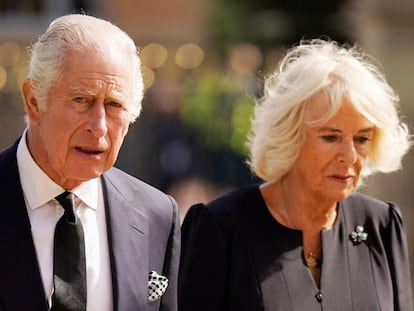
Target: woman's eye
x: 362, y: 139
x: 330, y: 138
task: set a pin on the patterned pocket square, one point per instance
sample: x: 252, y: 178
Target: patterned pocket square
x: 157, y: 285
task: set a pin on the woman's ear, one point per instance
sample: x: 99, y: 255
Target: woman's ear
x: 31, y: 105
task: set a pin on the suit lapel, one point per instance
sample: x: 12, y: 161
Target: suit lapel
x: 21, y: 286
x: 128, y: 245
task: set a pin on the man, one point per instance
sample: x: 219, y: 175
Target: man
x: 83, y: 89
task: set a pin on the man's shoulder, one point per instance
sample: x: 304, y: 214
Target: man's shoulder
x: 8, y: 161
x: 9, y: 152
x: 124, y: 181
x: 135, y: 191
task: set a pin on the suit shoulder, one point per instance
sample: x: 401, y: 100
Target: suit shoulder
x: 139, y: 192
x: 8, y: 156
x: 125, y: 182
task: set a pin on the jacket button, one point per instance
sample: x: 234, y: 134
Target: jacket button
x: 319, y: 297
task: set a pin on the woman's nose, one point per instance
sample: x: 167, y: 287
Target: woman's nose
x: 348, y: 153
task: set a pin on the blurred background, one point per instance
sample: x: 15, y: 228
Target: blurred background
x: 203, y: 65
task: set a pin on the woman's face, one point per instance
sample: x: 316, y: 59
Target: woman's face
x: 333, y: 153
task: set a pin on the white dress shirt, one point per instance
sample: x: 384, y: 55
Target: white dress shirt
x: 44, y: 212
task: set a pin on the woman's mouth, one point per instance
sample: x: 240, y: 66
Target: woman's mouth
x: 342, y: 178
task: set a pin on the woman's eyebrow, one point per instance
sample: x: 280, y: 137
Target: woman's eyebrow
x: 335, y: 130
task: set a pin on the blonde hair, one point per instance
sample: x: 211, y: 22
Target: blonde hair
x: 341, y: 73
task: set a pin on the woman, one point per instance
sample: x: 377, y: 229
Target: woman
x: 304, y: 239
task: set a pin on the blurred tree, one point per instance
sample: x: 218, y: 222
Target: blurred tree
x: 218, y: 108
x: 278, y: 22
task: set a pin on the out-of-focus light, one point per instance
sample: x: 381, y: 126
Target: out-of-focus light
x: 3, y: 77
x: 245, y: 58
x: 189, y: 56
x: 153, y: 55
x: 9, y: 54
x: 18, y: 74
x: 148, y: 76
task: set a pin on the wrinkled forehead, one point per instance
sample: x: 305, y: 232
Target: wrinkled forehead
x: 319, y: 109
x: 322, y: 110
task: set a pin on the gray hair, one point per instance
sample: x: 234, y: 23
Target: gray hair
x: 339, y: 72
x: 77, y: 32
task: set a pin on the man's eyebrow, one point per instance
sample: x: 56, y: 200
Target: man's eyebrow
x: 118, y: 95
x: 80, y: 90
x: 114, y: 94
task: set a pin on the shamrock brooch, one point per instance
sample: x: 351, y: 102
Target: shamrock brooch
x: 358, y: 235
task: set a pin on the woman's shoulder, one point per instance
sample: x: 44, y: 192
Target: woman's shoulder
x: 229, y: 206
x: 233, y: 201
x: 373, y: 208
x: 236, y: 197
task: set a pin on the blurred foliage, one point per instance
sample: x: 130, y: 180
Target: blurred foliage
x: 267, y: 23
x: 216, y: 106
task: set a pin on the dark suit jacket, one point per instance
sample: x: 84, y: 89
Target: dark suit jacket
x: 143, y: 229
x: 236, y: 257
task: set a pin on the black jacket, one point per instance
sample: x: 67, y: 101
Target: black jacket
x: 236, y: 257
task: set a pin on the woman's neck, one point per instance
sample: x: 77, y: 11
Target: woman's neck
x: 298, y: 210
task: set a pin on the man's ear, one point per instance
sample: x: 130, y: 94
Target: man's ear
x: 31, y: 105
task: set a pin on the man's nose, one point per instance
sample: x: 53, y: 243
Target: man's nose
x: 97, y: 124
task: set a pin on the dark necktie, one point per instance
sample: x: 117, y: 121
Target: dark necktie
x: 69, y: 269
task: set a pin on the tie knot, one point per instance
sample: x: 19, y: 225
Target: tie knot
x: 67, y: 200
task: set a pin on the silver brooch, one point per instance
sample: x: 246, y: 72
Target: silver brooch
x: 358, y: 235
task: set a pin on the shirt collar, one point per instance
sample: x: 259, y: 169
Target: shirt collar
x: 39, y: 188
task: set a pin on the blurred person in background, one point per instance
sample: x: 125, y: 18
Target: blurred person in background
x: 83, y: 90
x: 304, y: 239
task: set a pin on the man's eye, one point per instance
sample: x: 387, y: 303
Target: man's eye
x: 114, y: 104
x: 80, y: 99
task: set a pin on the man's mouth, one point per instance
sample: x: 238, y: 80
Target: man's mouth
x: 89, y: 151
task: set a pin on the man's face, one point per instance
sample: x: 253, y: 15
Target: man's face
x: 79, y: 135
